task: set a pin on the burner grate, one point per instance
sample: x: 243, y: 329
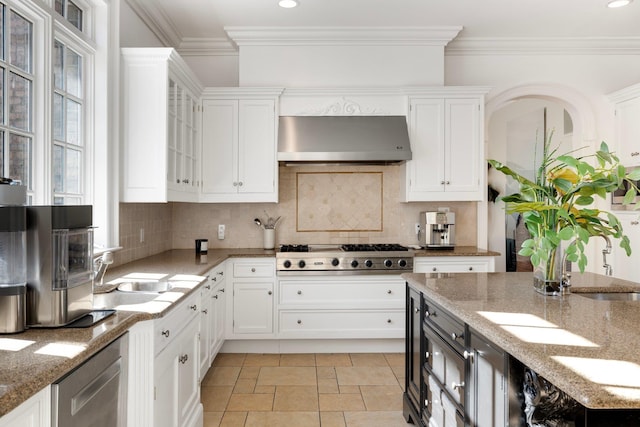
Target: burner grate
x: 380, y: 247
x: 294, y: 248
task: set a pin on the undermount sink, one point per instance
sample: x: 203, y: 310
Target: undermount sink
x: 150, y: 286
x: 612, y: 296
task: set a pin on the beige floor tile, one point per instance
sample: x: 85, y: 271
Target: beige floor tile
x: 212, y: 419
x: 326, y: 372
x: 341, y: 402
x: 365, y: 375
x: 349, y: 389
x: 282, y: 419
x: 249, y: 372
x: 265, y: 389
x: 287, y: 375
x: 368, y: 359
x: 332, y: 419
x: 215, y: 398
x: 296, y: 398
x: 244, y: 386
x: 250, y: 402
x: 233, y: 419
x: 399, y: 372
x: 327, y: 385
x: 375, y: 419
x: 221, y: 375
x: 298, y: 360
x: 229, y: 359
x: 332, y: 359
x: 382, y: 397
x: 395, y: 359
x: 262, y: 360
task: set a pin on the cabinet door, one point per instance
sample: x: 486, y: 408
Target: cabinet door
x: 34, y: 412
x: 257, y: 166
x: 190, y: 146
x: 425, y: 173
x: 462, y: 147
x: 188, y: 371
x: 207, y: 320
x: 218, y: 328
x: 219, y: 146
x: 166, y: 379
x: 624, y: 267
x: 628, y: 131
x: 174, y: 158
x: 253, y: 307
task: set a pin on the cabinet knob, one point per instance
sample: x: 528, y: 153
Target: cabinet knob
x: 427, y: 314
x: 457, y: 386
x: 205, y: 311
x: 389, y: 291
x: 221, y: 273
x: 221, y: 290
x: 470, y: 268
x: 193, y: 307
x: 427, y: 355
x: 215, y: 296
x: 299, y: 321
x: 235, y: 184
x: 240, y: 184
x: 447, y: 183
x: 441, y: 182
x: 183, y: 359
x: 177, y: 181
x: 270, y: 292
x: 388, y: 320
x: 166, y: 333
x: 253, y: 270
x: 468, y: 355
x: 434, y: 269
x: 214, y: 279
x: 416, y: 310
x: 207, y: 286
x: 455, y: 336
x: 185, y: 181
x: 299, y: 292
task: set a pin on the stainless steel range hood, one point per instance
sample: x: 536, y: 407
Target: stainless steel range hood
x: 343, y: 139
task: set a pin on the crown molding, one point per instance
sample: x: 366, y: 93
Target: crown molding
x: 342, y: 36
x: 544, y: 46
x: 192, y: 46
x: 625, y: 93
x: 156, y: 19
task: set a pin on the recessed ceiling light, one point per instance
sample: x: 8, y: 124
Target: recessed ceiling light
x: 618, y: 3
x: 292, y: 3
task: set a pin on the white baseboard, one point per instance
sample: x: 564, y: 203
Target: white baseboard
x: 314, y: 346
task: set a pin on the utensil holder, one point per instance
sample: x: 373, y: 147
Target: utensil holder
x: 269, y: 238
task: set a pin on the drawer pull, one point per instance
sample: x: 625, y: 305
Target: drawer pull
x: 388, y: 320
x: 389, y: 291
x: 215, y: 296
x: 635, y: 153
x: 457, y: 386
x: 270, y: 292
x: 427, y: 355
x: 416, y: 310
x: 470, y: 268
x: 193, y: 307
x: 221, y: 290
x: 635, y: 222
x: 207, y: 286
x: 253, y: 270
x: 205, y: 311
x: 214, y: 279
x: 299, y: 322
x: 468, y: 355
x: 455, y: 336
x: 428, y: 314
x: 183, y: 359
x: 434, y: 269
x: 166, y: 333
x: 299, y: 292
x: 221, y: 273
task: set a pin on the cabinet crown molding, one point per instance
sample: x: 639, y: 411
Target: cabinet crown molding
x: 625, y: 94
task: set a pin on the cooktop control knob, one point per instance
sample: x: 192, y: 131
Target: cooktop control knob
x: 388, y: 263
x: 354, y: 263
x: 368, y: 263
x: 287, y: 264
x: 301, y: 263
x: 335, y: 262
x: 402, y: 263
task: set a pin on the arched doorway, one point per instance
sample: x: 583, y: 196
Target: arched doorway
x: 509, y: 117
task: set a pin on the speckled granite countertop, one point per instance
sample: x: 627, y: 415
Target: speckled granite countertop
x: 31, y: 360
x: 588, y: 348
x: 456, y: 251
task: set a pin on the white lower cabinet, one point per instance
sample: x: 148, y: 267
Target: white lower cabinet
x: 454, y: 264
x: 34, y: 412
x: 250, y: 308
x: 212, y: 318
x: 624, y: 266
x: 328, y: 307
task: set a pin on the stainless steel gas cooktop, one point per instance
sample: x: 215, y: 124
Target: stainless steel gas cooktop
x: 384, y: 258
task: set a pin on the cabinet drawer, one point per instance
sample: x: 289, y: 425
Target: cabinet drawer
x: 342, y: 294
x: 342, y: 324
x: 446, y: 366
x: 474, y: 266
x: 253, y: 269
x: 450, y: 329
x: 167, y: 327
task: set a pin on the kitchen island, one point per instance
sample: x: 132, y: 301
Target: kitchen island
x: 584, y: 347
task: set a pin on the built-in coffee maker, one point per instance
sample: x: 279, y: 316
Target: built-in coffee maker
x: 60, y: 264
x: 437, y: 230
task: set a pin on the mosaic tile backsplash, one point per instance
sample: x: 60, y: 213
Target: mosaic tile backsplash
x: 177, y: 225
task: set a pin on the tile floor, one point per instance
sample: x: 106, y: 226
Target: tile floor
x: 304, y: 390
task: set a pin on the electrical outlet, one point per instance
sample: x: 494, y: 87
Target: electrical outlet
x: 221, y: 230
x: 417, y: 228
x: 142, y: 235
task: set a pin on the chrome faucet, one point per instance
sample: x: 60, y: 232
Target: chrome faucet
x: 100, y: 264
x: 565, y: 284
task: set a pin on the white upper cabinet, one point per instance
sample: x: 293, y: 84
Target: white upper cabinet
x: 160, y: 141
x: 627, y: 111
x: 446, y: 144
x: 239, y: 146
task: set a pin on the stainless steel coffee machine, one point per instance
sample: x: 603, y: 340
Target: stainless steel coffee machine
x: 438, y: 230
x: 60, y: 264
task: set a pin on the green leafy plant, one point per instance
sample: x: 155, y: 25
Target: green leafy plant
x: 558, y: 205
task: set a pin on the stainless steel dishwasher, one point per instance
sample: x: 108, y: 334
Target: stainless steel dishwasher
x: 93, y: 394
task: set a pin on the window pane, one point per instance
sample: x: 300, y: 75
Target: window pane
x: 20, y: 159
x: 58, y: 168
x: 1, y: 153
x: 74, y: 15
x: 19, y: 102
x: 58, y: 117
x: 58, y: 64
x: 60, y: 7
x: 21, y: 42
x: 74, y: 124
x: 73, y: 73
x: 73, y: 171
x: 2, y: 31
x: 58, y: 201
x: 1, y: 94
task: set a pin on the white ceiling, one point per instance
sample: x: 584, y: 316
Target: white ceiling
x: 206, y: 19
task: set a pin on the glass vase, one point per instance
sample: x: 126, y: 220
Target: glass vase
x: 547, y: 275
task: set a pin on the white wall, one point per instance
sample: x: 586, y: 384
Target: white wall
x: 134, y: 32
